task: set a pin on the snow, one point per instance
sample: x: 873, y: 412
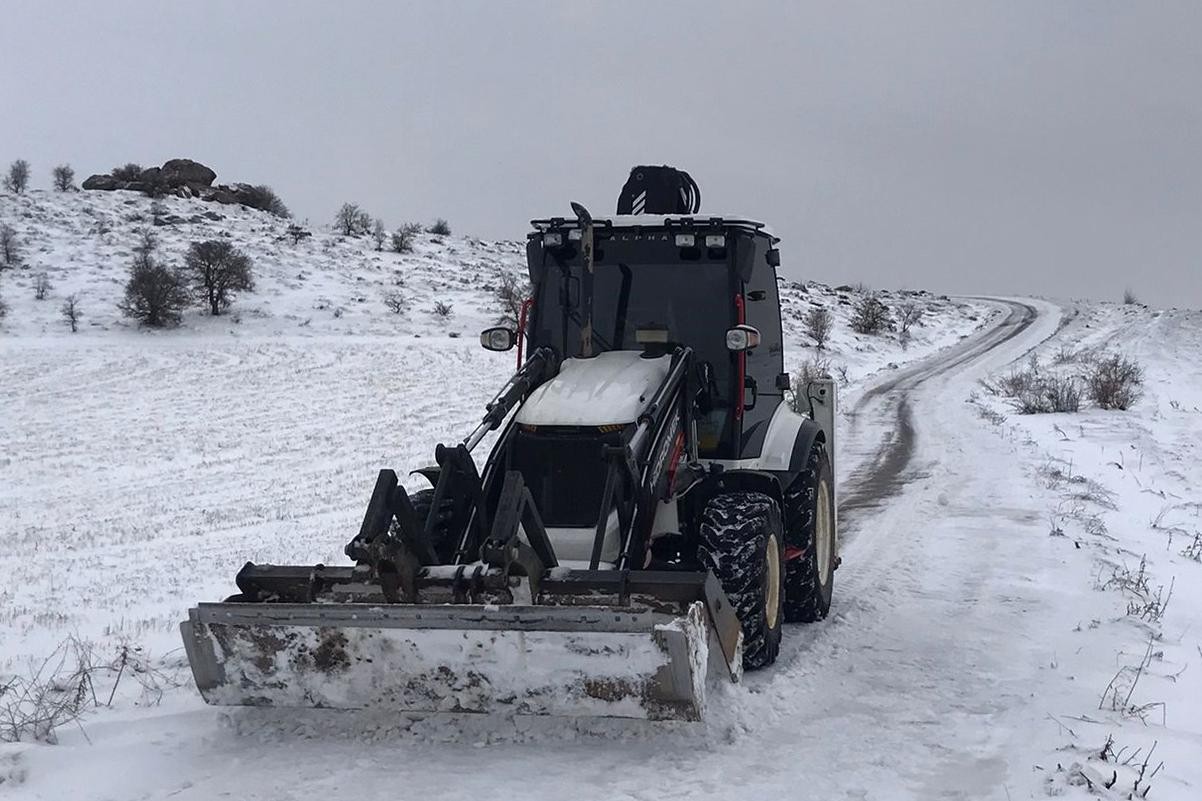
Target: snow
x: 967, y: 655
x: 1117, y: 490
x: 456, y: 670
x: 613, y: 387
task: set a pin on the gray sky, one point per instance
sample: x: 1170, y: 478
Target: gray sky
x: 1023, y: 147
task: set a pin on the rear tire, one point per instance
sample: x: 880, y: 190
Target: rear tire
x: 742, y: 544
x: 810, y: 506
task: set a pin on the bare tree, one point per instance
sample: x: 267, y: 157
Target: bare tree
x: 352, y: 220
x: 440, y: 228
x: 908, y: 313
x: 17, y: 179
x: 871, y: 316
x: 155, y: 295
x: 379, y: 233
x: 71, y: 312
x: 404, y: 237
x: 64, y: 178
x: 216, y: 271
x: 818, y: 324
x: 41, y: 285
x: 10, y: 247
x: 511, y: 293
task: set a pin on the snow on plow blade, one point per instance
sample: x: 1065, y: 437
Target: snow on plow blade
x: 538, y: 660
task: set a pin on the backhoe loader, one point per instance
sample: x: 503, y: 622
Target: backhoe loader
x: 652, y: 511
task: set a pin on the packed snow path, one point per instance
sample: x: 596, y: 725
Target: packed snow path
x: 924, y: 683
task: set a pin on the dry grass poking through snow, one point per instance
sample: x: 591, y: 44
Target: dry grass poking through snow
x: 1110, y: 381
x: 74, y: 679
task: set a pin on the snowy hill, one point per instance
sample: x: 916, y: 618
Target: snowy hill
x: 323, y: 284
x: 332, y: 284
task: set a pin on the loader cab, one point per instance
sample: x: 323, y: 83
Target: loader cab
x: 665, y: 281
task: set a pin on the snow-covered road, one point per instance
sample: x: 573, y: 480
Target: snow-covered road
x: 927, y: 681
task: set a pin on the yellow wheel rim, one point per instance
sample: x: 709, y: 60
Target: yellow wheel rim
x: 824, y: 534
x: 772, y: 596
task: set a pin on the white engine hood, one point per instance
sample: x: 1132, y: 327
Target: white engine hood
x: 611, y: 388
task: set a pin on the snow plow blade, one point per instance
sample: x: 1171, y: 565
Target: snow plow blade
x: 462, y: 658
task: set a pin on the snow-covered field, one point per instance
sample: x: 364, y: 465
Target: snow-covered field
x: 966, y: 658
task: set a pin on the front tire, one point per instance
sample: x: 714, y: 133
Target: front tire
x: 810, y: 577
x: 742, y: 544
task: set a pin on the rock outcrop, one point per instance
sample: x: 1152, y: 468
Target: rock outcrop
x: 188, y: 178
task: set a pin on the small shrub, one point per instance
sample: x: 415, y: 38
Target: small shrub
x: 3, y: 309
x: 296, y: 233
x: 41, y: 285
x: 404, y: 237
x: 1129, y: 298
x: 71, y: 312
x: 379, y: 233
x: 264, y: 198
x: 510, y: 294
x: 818, y: 323
x: 10, y: 247
x: 216, y: 271
x: 1031, y: 391
x: 1016, y: 383
x: 128, y: 172
x: 442, y: 309
x: 1047, y: 395
x: 871, y: 316
x: 352, y: 220
x: 17, y: 179
x: 1065, y: 355
x: 64, y: 178
x: 1114, y: 382
x: 73, y: 680
x: 440, y: 228
x: 395, y: 301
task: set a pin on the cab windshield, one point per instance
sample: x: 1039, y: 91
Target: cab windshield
x: 692, y: 300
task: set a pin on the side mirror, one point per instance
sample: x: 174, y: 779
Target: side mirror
x: 498, y: 338
x: 773, y: 257
x: 742, y: 337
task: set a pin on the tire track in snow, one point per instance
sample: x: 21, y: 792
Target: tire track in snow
x: 886, y: 473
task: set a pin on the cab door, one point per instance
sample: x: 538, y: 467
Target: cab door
x: 764, y: 365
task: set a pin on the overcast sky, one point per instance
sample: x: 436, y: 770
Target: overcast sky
x: 1006, y: 147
